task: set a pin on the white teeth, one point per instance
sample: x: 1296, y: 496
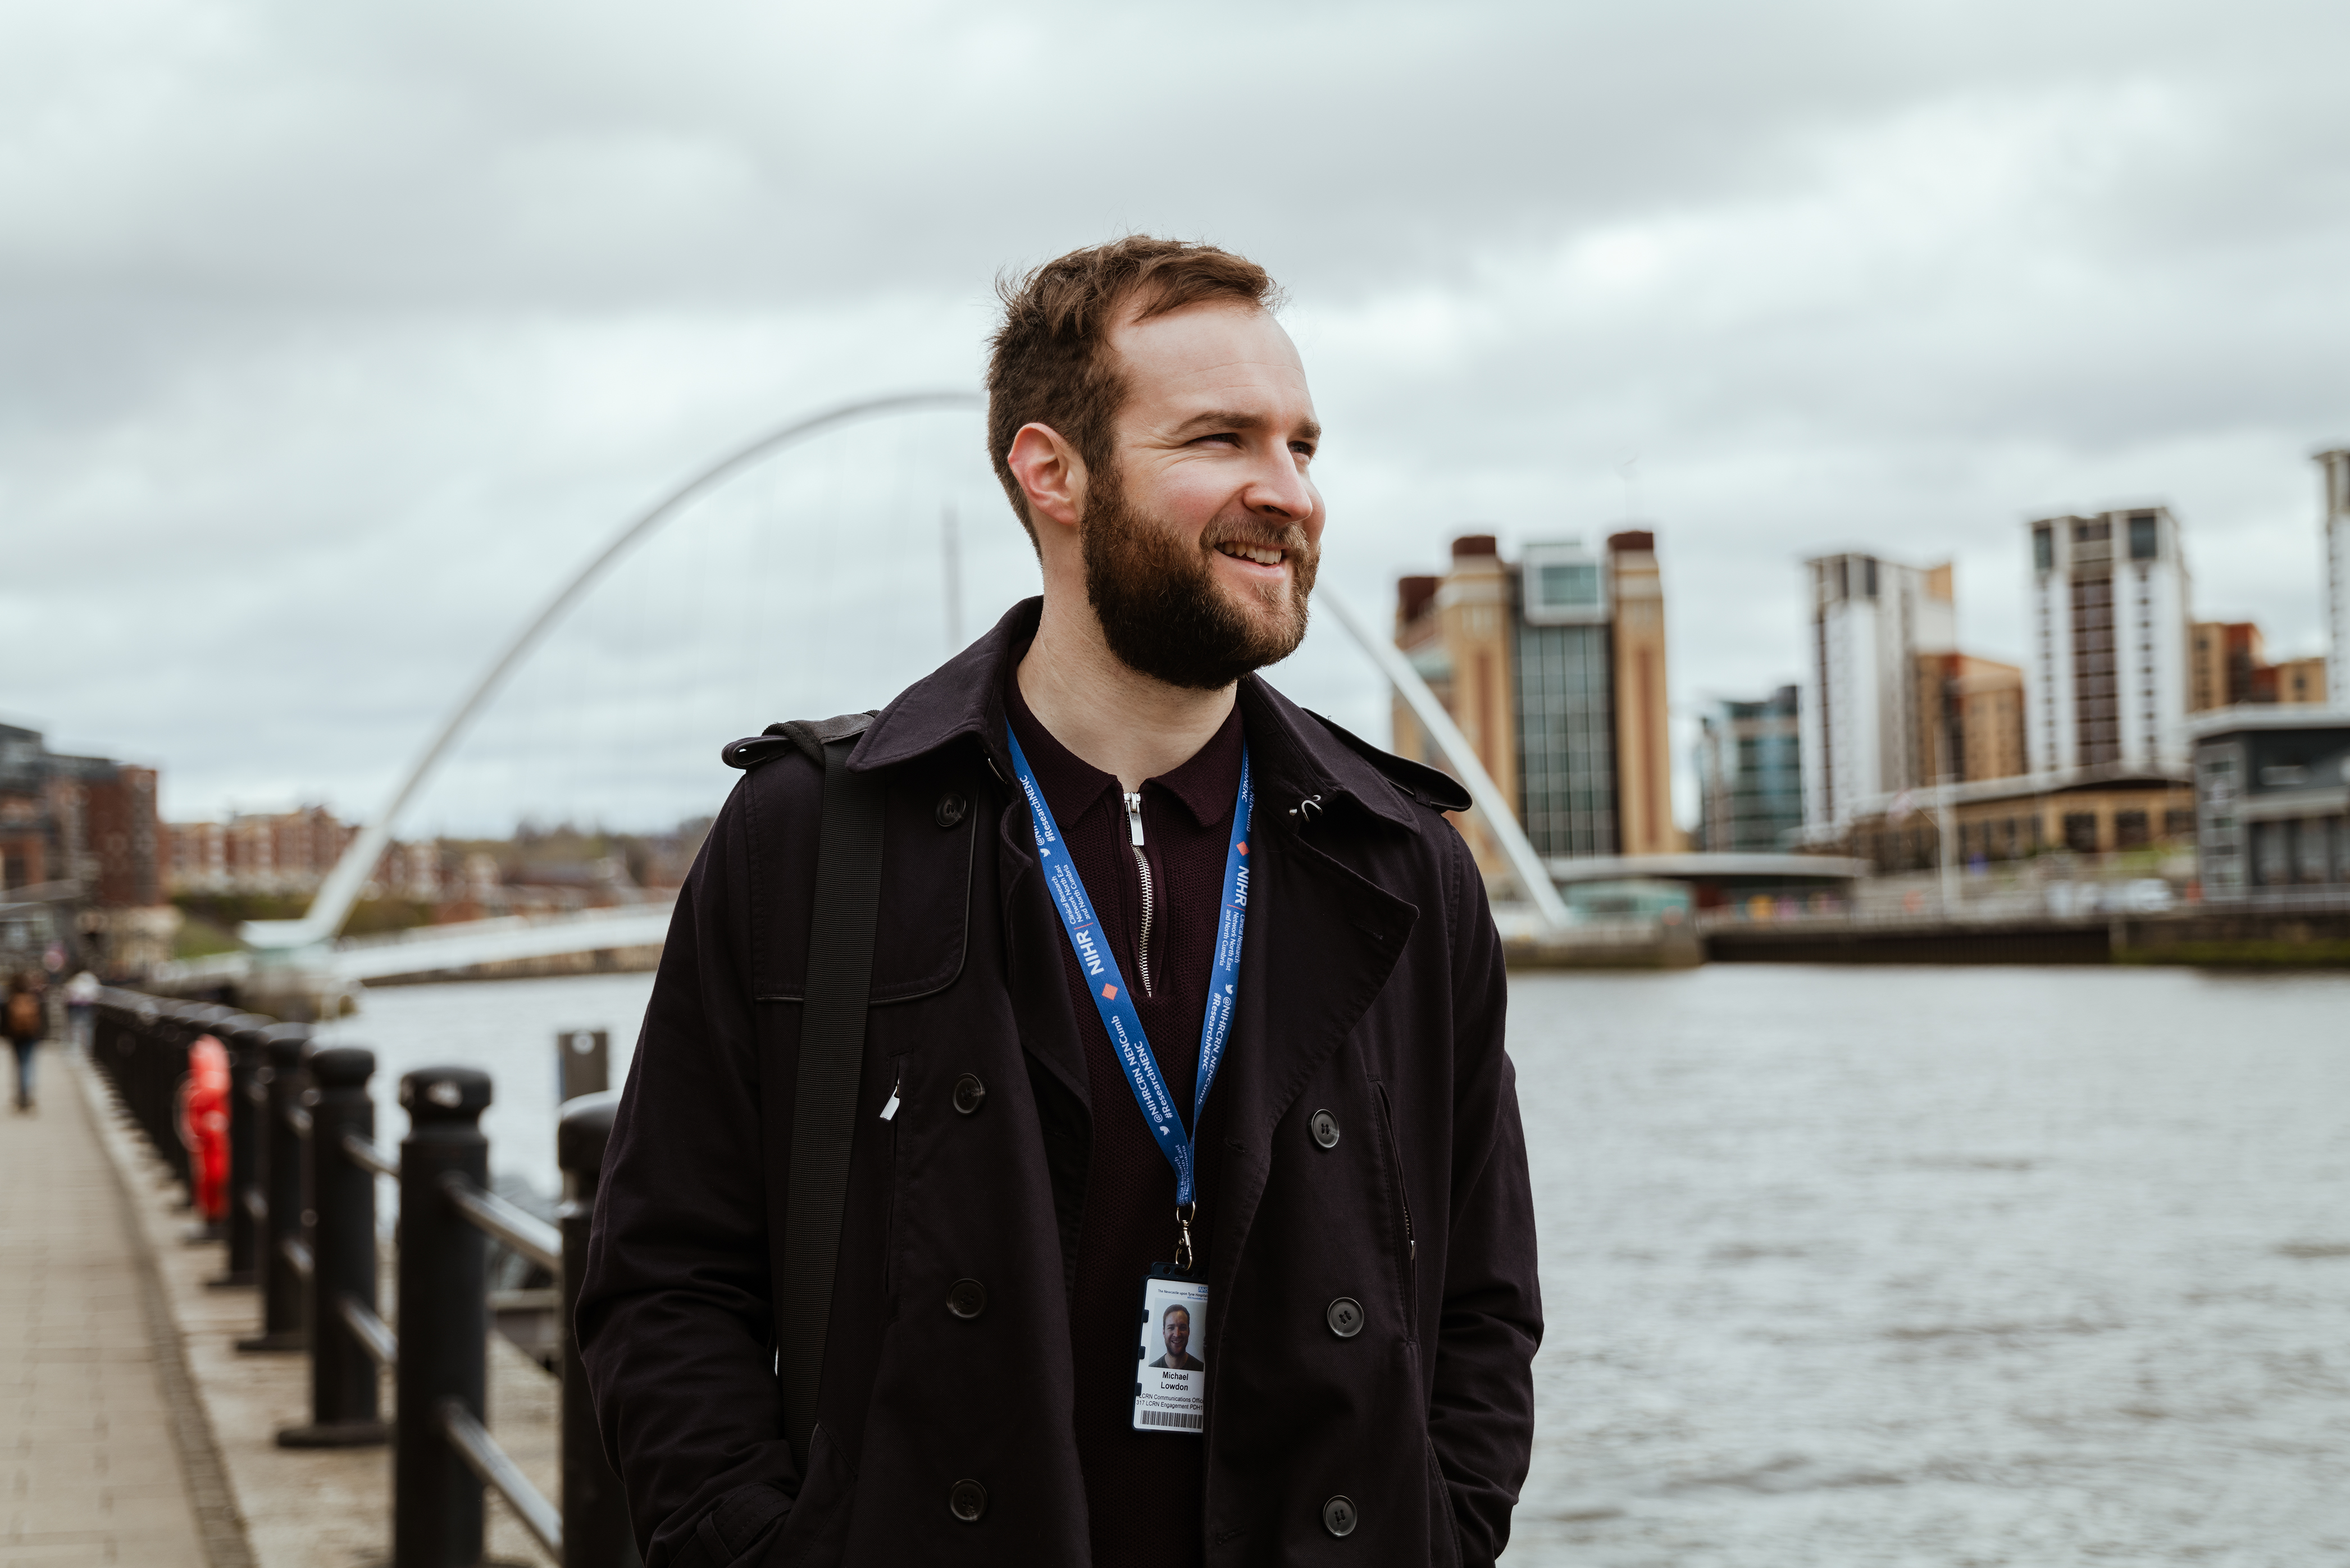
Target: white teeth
x: 1246, y: 553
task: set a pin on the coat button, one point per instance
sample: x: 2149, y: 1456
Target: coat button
x: 968, y: 1299
x: 1337, y: 1515
x: 952, y: 809
x: 969, y: 1094
x: 967, y: 1499
x: 1325, y: 1128
x: 1345, y: 1317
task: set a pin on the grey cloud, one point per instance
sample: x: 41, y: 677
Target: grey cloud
x: 330, y: 335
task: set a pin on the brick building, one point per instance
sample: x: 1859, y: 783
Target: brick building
x: 85, y: 820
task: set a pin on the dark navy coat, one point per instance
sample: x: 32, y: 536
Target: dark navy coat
x: 1372, y: 989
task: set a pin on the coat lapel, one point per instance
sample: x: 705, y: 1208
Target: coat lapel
x: 1321, y: 942
x: 1040, y: 993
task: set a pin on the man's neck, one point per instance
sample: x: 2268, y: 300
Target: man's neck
x: 1107, y: 712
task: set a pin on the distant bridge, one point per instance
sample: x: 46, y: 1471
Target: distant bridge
x: 310, y: 955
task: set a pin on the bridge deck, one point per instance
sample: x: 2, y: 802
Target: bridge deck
x: 90, y: 1462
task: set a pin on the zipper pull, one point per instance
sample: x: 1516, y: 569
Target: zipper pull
x: 1134, y: 818
x: 889, y: 1111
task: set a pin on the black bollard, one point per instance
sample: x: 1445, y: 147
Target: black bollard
x: 444, y: 1319
x: 596, y: 1533
x: 281, y: 1186
x: 343, y: 1413
x: 583, y: 1062
x: 242, y: 1035
x: 105, y: 1023
x: 158, y: 1024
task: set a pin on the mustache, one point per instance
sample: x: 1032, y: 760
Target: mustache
x: 1262, y: 536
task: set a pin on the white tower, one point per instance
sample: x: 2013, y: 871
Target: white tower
x: 1859, y: 711
x: 2105, y: 681
x: 2335, y: 465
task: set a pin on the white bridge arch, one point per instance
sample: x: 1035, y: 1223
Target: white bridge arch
x: 309, y: 946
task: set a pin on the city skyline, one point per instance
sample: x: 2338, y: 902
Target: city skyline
x: 335, y: 338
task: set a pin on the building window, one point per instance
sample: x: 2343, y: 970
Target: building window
x: 2043, y: 549
x: 2130, y: 830
x: 1567, y: 739
x: 1570, y: 584
x: 2271, y: 854
x: 2081, y: 832
x: 2312, y: 839
x: 2096, y: 694
x: 2177, y: 824
x: 2142, y: 536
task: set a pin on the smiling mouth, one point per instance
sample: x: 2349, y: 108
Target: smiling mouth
x: 1262, y: 554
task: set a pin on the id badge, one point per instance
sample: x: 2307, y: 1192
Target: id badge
x: 1170, y: 1381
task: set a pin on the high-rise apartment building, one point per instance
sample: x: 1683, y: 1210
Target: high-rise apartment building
x: 1749, y: 773
x: 2108, y: 664
x: 1866, y: 733
x: 2335, y: 468
x: 1553, y: 668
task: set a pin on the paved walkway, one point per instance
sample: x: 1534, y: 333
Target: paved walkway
x: 90, y: 1468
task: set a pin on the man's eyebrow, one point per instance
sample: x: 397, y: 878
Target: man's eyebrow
x: 1230, y: 420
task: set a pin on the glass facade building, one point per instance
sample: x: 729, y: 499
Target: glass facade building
x: 1567, y: 739
x: 1749, y: 773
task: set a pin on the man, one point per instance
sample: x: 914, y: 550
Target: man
x: 1095, y: 814
x: 1175, y: 1328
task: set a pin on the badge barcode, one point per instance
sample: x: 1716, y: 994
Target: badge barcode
x: 1172, y: 1419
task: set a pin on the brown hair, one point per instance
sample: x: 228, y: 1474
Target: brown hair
x: 1049, y: 363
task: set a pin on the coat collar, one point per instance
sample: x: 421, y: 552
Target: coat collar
x: 1298, y: 755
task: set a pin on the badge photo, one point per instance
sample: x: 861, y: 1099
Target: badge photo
x: 1171, y: 1380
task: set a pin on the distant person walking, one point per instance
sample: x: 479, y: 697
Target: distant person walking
x: 28, y: 1023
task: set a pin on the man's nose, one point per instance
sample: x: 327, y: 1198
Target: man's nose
x: 1278, y: 489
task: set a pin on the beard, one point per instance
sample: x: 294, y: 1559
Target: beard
x: 1160, y: 611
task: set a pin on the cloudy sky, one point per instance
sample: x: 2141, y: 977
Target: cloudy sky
x: 332, y: 338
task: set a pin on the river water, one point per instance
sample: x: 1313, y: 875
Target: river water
x: 1940, y: 1267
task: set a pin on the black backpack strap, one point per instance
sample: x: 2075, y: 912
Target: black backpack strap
x: 806, y: 736
x: 832, y: 1059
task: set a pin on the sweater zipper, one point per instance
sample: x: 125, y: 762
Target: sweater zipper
x: 1141, y: 869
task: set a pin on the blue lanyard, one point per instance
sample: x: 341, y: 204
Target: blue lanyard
x: 1109, y: 985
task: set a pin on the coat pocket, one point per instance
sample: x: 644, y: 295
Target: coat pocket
x: 815, y: 1533
x: 1400, y: 1197
x: 1443, y: 1534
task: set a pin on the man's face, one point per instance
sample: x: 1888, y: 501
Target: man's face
x: 1178, y: 1330
x: 1202, y: 542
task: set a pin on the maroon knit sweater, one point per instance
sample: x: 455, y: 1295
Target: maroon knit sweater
x: 1142, y: 1489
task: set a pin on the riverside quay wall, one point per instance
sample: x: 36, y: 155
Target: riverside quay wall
x: 2212, y: 936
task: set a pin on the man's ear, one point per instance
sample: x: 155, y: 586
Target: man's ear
x: 1051, y: 474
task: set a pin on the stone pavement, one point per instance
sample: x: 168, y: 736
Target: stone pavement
x: 94, y: 1417
x: 293, y: 1508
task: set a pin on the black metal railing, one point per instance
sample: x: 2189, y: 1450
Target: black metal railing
x: 302, y: 1230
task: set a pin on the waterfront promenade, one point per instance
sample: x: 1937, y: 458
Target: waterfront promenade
x: 98, y: 1407
x: 133, y: 1431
